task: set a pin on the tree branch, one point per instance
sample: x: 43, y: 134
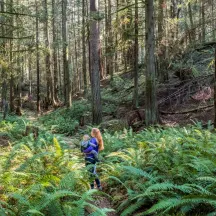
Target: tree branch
x: 15, y: 38
x: 17, y: 14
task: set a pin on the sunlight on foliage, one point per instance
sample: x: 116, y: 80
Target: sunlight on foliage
x: 162, y: 171
x: 43, y: 177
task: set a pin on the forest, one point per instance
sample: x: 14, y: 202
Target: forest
x: 107, y: 107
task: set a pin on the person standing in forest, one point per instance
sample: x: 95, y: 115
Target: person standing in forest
x: 90, y: 161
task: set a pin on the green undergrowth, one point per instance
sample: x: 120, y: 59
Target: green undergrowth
x: 13, y: 127
x: 66, y: 121
x: 168, y: 171
x: 43, y: 176
x: 120, y: 93
x: 158, y: 171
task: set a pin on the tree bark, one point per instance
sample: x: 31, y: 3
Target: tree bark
x: 215, y: 92
x: 203, y: 21
x: 11, y: 60
x: 162, y: 72
x: 84, y: 60
x: 30, y: 71
x: 55, y: 60
x: 192, y: 31
x: 59, y: 71
x: 67, y: 82
x: 79, y: 52
x: 116, y: 38
x: 37, y: 58
x: 76, y: 78
x: 3, y: 72
x: 213, y: 19
x: 151, y: 112
x: 94, y: 61
x: 136, y: 50
x: 19, y: 71
x: 109, y: 39
x: 50, y: 93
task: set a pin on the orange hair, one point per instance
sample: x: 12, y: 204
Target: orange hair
x: 97, y: 134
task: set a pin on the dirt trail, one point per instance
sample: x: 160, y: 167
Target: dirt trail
x: 103, y: 202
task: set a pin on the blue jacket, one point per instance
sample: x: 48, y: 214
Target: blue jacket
x: 90, y: 148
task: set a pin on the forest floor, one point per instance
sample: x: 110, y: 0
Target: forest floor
x: 4, y: 141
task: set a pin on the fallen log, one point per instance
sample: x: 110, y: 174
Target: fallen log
x: 186, y: 111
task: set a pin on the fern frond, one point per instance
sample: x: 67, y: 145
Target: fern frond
x: 68, y: 182
x: 58, y: 149
x: 212, y: 214
x: 34, y: 212
x: 159, y: 188
x: 138, y: 172
x: 98, y: 211
x: 2, y: 211
x: 31, y: 160
x: 191, y: 200
x: 32, y: 189
x: 124, y: 205
x: 199, y: 189
x: 121, y: 155
x: 207, y: 179
x: 117, y: 179
x: 54, y: 196
x: 55, y: 209
x: 88, y: 195
x: 21, y: 199
x: 161, y: 205
x: 132, y: 208
x: 46, y: 180
x: 184, y: 209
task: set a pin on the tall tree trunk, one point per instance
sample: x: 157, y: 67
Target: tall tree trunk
x: 79, y: 51
x: 213, y: 19
x: 110, y: 41
x: 166, y: 34
x: 101, y: 62
x: 203, y: 21
x: 55, y: 60
x: 3, y: 72
x: 160, y: 20
x: 11, y: 60
x: 84, y: 60
x: 37, y: 58
x: 30, y: 72
x: 59, y: 70
x: 151, y: 115
x: 94, y: 61
x: 19, y: 71
x: 116, y: 38
x: 215, y: 91
x: 100, y: 51
x: 67, y: 82
x: 174, y: 15
x: 76, y: 70
x: 192, y: 31
x: 136, y: 50
x: 106, y: 38
x: 50, y: 94
x: 88, y: 43
x: 76, y: 77
x: 163, y: 75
